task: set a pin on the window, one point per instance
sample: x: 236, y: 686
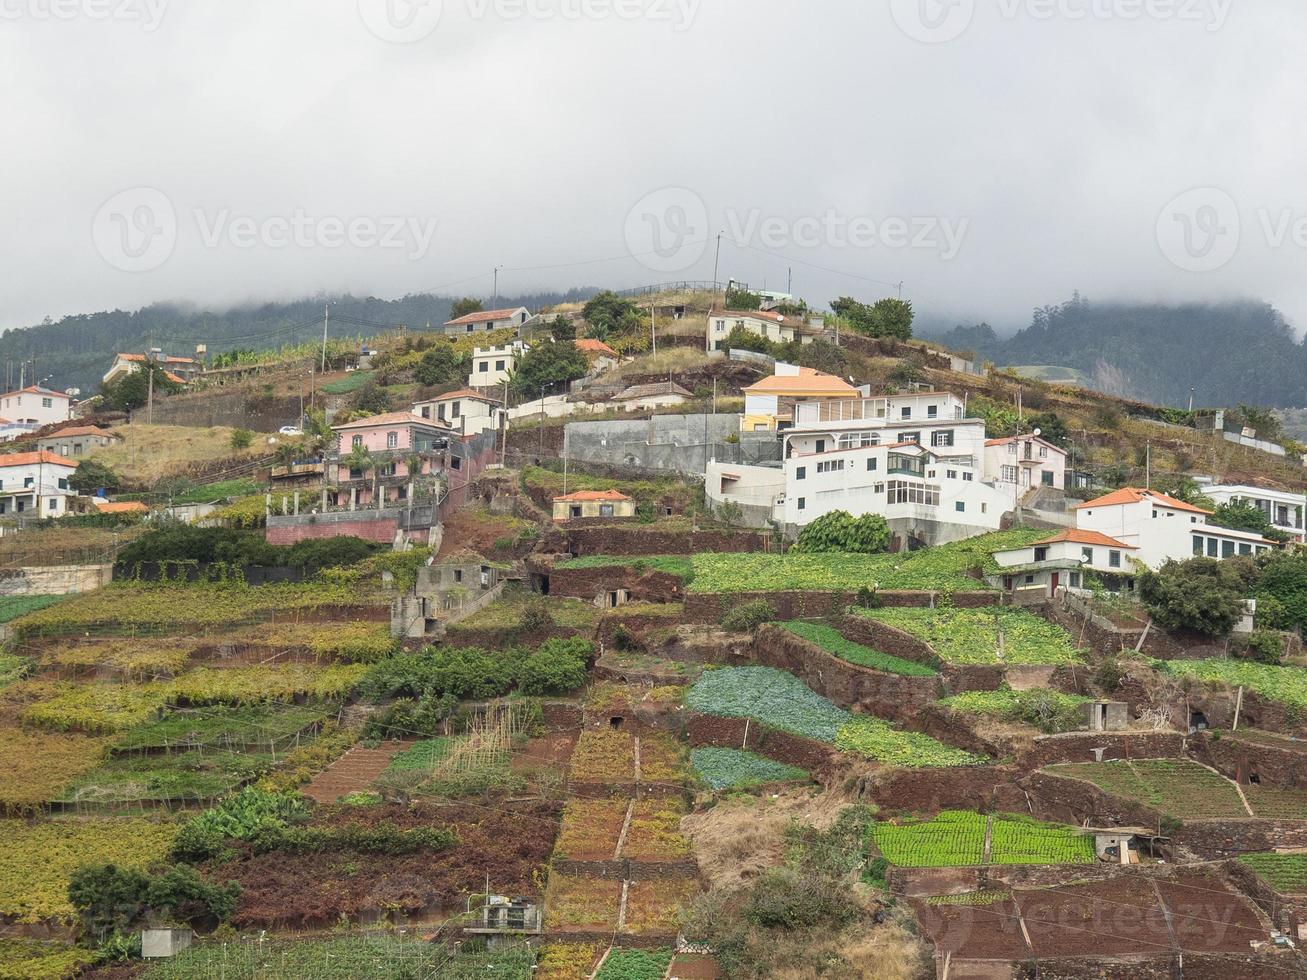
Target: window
x: 456, y: 462
x: 913, y: 493
x: 499, y: 365
x: 968, y: 477
x: 803, y: 503
x: 27, y: 481
x: 859, y: 440
x: 63, y: 483
x: 1114, y: 559
x: 47, y: 403
x: 952, y: 474
x: 605, y: 510
x: 905, y: 412
x: 470, y: 328
x: 801, y: 473
x: 1155, y: 515
x: 458, y: 576
x: 1030, y: 580
x: 356, y: 441
x: 1075, y: 580
x: 1041, y: 554
x: 77, y: 449
x: 1198, y: 545
x: 426, y: 411
x: 576, y: 510
x: 932, y: 411
x: 1227, y: 549
x: 872, y: 463
x: 484, y: 367
x: 821, y: 446
x: 1011, y: 448
x: 54, y: 503
x: 1087, y: 554
x: 1009, y: 474
x: 880, y: 488
x: 1213, y: 548
x: 944, y: 438
x: 910, y: 437
x: 984, y: 508
x: 831, y: 466
x: 1245, y: 549
x: 454, y: 409
x: 960, y: 507
x: 392, y: 440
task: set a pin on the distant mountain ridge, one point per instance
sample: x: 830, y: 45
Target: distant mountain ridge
x: 1228, y: 353
x: 75, y: 351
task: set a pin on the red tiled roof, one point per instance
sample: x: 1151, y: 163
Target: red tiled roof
x: 807, y: 381
x: 590, y: 495
x: 485, y: 316
x: 31, y: 459
x: 37, y: 390
x: 121, y: 507
x: 1077, y: 536
x: 759, y: 315
x: 463, y: 393
x: 163, y: 360
x: 82, y: 430
x: 1133, y: 495
x: 589, y: 345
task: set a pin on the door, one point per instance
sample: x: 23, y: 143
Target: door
x: 1053, y: 583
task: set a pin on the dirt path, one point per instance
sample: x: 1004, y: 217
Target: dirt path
x: 353, y: 772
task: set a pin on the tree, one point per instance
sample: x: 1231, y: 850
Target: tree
x: 609, y: 312
x: 1243, y: 516
x: 1051, y: 428
x: 546, y: 365
x: 133, y: 390
x: 841, y: 531
x: 562, y: 328
x: 1202, y: 594
x: 885, y: 318
x: 109, y: 898
x: 742, y: 300
x: 441, y: 365
x: 371, y: 399
x: 91, y: 476
x: 1283, y: 583
x: 359, y: 458
x: 463, y: 307
x: 742, y: 338
x: 241, y: 439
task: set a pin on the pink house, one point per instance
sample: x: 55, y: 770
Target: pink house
x: 389, y: 441
x: 1025, y: 462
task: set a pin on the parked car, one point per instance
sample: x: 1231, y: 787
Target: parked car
x: 290, y: 430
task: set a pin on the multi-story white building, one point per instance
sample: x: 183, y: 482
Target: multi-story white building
x: 1161, y: 528
x: 1282, y: 508
x: 36, y: 484
x: 34, y: 405
x: 494, y: 365
x: 485, y: 321
x: 465, y: 411
x: 1023, y: 462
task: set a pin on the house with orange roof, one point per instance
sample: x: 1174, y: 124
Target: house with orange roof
x: 1162, y: 528
x: 77, y: 441
x: 770, y: 403
x: 485, y: 321
x: 1064, y: 559
x: 775, y: 327
x: 598, y: 355
x: 594, y: 505
x: 35, y: 484
x: 183, y: 370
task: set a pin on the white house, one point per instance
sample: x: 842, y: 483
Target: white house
x: 597, y: 354
x: 1160, y: 528
x: 1063, y: 559
x: 493, y: 365
x: 38, y: 406
x: 182, y: 369
x: 35, y: 484
x: 646, y: 398
x: 1283, y: 509
x: 775, y: 327
x: 1022, y: 462
x: 465, y: 411
x: 486, y: 321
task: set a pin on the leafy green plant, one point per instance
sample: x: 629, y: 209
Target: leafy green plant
x: 1050, y: 711
x: 840, y: 531
x: 972, y: 636
x: 722, y: 768
x: 748, y: 617
x: 833, y: 642
x: 635, y: 964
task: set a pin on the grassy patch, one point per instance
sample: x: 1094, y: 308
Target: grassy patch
x: 36, y: 766
x: 376, y: 957
x: 238, y: 727
x: 878, y: 739
x: 1283, y: 685
x: 833, y: 642
x: 350, y: 383
x: 681, y: 566
x: 1286, y: 873
x: 733, y: 769
x: 422, y: 757
x: 971, y: 636
x: 1051, y: 711
x: 956, y: 838
x: 14, y: 606
x: 174, y: 778
x: 210, y: 492
x: 24, y: 959
x: 1176, y: 787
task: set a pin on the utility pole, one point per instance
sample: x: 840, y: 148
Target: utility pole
x: 717, y: 262
x: 149, y: 398
x: 653, y: 327
x: 326, y: 321
x: 900, y: 289
x: 1148, y: 466
x: 789, y: 282
x: 495, y: 302
x: 1191, y: 399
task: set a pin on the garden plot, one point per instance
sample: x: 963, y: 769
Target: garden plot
x: 567, y: 961
x: 22, y: 959
x: 1283, y: 685
x: 1277, y: 804
x: 635, y: 964
x: 476, y: 763
x: 1176, y: 787
x: 36, y: 860
x: 265, y: 727
x: 975, y: 636
x: 1286, y: 873
x: 173, y: 778
x: 956, y: 838
x: 834, y: 643
x: 653, y: 905
x: 654, y: 834
x: 580, y: 904
x: 604, y: 755
x: 591, y: 829
x: 128, y: 658
x: 733, y: 769
x: 662, y: 759
x: 1049, y: 710
x: 679, y: 565
x: 36, y: 766
x: 780, y: 700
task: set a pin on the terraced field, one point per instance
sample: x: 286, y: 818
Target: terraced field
x: 1176, y: 787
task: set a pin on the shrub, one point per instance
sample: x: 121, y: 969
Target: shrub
x: 1109, y: 675
x: 1202, y: 594
x: 1263, y: 646
x: 241, y: 439
x: 248, y: 815
x: 536, y: 618
x: 557, y: 667
x: 841, y: 531
x: 748, y: 617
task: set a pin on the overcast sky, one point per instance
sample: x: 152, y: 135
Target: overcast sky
x: 992, y: 155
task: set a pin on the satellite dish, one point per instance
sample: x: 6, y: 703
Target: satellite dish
x: 1038, y: 433
x: 73, y: 392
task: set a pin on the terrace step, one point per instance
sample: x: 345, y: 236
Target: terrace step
x: 353, y: 772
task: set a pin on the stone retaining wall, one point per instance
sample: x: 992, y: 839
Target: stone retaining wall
x: 985, y: 788
x: 1273, y: 765
x: 643, y: 540
x: 729, y: 733
x: 589, y: 583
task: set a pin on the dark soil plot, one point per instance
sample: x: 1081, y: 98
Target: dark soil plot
x: 974, y: 932
x: 283, y: 889
x: 1207, y: 917
x: 1116, y: 918
x: 353, y: 772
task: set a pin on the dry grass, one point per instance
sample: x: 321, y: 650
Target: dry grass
x: 669, y: 359
x: 147, y: 453
x: 886, y: 952
x: 63, y: 545
x: 741, y: 837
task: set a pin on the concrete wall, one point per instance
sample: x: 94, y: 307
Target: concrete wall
x: 673, y: 443
x: 54, y: 580
x: 237, y: 408
x: 375, y: 525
